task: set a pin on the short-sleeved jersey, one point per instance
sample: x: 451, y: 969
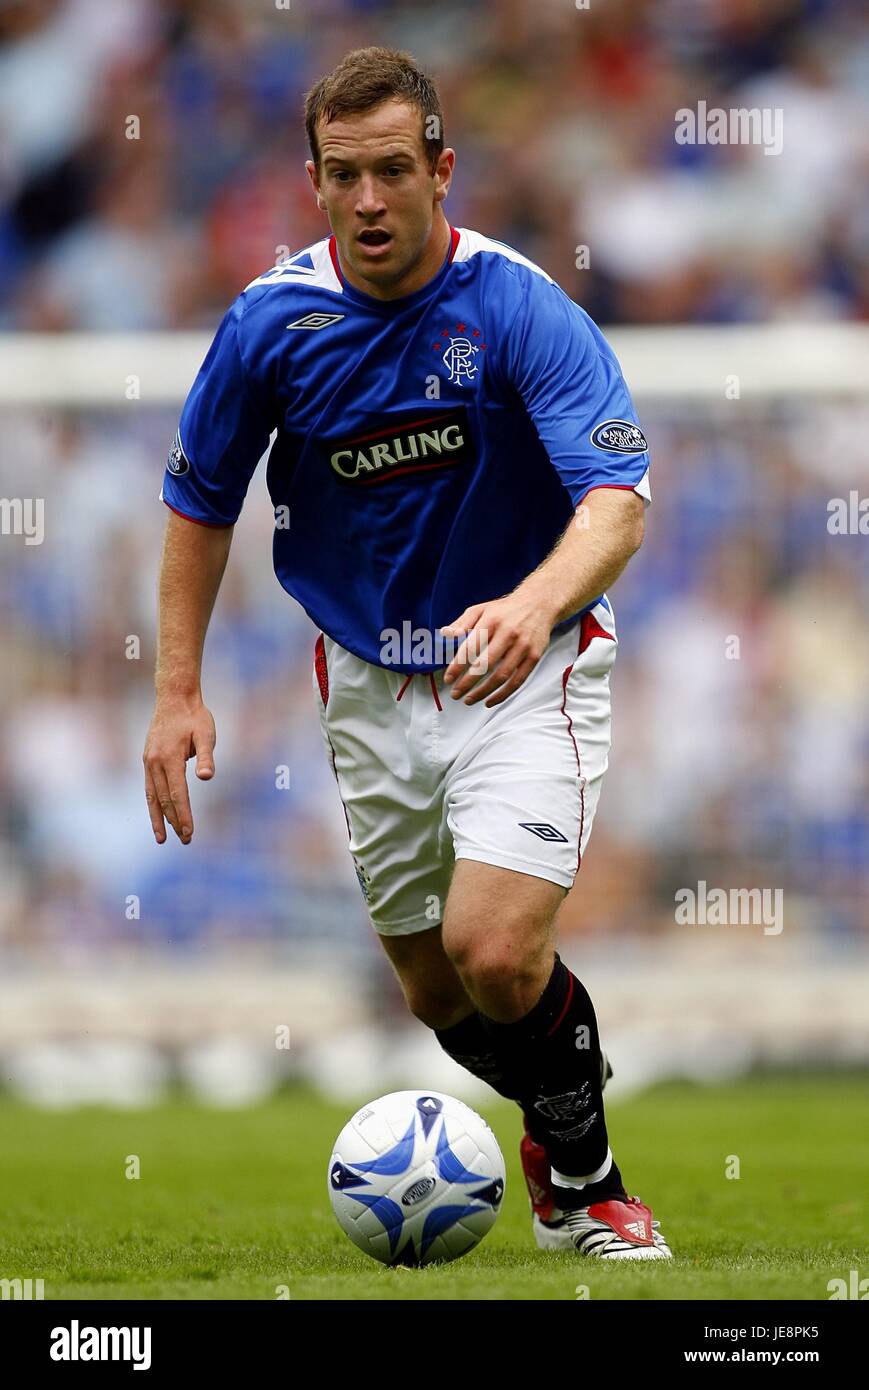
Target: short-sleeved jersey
x: 429, y: 450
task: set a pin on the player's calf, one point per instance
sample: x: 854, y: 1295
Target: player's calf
x: 432, y: 989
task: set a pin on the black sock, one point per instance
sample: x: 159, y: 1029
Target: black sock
x: 550, y: 1060
x: 568, y: 1198
x: 469, y: 1044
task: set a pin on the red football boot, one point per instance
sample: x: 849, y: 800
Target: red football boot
x: 616, y: 1230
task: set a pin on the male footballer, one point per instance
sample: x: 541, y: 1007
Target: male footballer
x: 464, y: 477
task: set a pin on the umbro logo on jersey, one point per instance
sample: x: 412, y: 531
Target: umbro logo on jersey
x: 619, y: 437
x: 417, y: 443
x: 316, y: 320
x: 545, y: 832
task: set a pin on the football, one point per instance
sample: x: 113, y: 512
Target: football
x: 416, y: 1177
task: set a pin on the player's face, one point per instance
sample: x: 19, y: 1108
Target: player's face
x: 383, y: 199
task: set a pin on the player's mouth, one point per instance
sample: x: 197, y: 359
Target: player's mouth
x: 375, y: 240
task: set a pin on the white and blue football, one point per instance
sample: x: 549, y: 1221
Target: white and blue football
x: 416, y: 1177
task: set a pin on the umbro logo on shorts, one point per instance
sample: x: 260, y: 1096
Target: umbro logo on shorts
x: 316, y: 320
x: 543, y: 831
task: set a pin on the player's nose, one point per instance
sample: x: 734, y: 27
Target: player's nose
x: 370, y: 200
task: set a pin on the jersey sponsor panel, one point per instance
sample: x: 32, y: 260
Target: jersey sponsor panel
x: 399, y: 447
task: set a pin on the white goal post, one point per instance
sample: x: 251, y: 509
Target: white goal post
x: 714, y: 363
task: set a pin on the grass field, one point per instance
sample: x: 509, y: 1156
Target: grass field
x: 230, y: 1205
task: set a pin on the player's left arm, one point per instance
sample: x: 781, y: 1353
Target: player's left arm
x: 572, y: 387
x: 508, y: 636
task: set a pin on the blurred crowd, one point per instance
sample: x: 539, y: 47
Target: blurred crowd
x: 152, y: 151
x: 741, y: 737
x: 740, y: 697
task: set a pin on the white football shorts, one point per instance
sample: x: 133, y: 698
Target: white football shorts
x: 426, y: 779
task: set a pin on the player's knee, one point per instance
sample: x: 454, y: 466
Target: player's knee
x: 500, y: 975
x: 432, y: 989
x: 436, y: 1009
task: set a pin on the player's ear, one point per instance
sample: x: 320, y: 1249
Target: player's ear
x: 313, y: 175
x: 443, y: 174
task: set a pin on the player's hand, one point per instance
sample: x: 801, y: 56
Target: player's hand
x: 506, y: 639
x: 180, y: 729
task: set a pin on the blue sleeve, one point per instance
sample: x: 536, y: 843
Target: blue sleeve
x: 574, y: 392
x: 223, y: 433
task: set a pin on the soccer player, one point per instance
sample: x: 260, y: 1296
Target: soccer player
x: 458, y: 476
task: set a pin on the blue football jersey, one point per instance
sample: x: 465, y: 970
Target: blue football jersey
x: 429, y: 450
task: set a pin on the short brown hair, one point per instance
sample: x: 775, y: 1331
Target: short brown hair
x: 366, y: 78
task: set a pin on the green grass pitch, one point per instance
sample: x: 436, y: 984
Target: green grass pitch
x: 233, y: 1204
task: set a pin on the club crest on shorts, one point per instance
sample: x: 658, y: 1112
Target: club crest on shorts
x: 364, y: 880
x: 619, y: 437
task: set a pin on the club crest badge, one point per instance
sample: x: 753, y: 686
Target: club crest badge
x: 459, y: 348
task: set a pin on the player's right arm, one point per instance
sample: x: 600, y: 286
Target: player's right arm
x: 224, y: 430
x: 192, y: 566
